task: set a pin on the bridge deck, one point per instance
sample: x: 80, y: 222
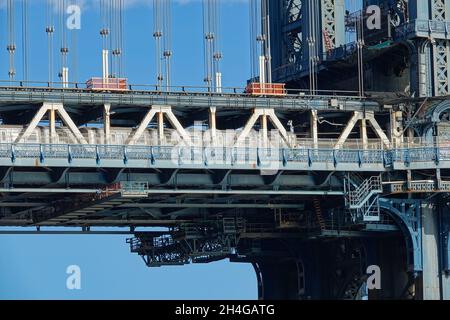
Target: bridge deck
x: 36, y: 95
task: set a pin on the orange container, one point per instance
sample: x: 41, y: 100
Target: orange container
x: 267, y: 89
x: 100, y: 84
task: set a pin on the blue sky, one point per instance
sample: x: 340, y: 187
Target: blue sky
x: 34, y: 267
x: 139, y: 50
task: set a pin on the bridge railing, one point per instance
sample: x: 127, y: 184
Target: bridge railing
x: 207, y: 156
x: 204, y: 90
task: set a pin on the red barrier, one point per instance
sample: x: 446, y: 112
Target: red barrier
x: 100, y: 84
x: 266, y: 89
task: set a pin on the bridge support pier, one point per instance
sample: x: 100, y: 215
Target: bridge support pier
x: 430, y: 236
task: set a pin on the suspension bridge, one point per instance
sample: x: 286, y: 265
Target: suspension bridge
x: 333, y: 157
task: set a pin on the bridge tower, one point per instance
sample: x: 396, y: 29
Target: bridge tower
x: 408, y: 54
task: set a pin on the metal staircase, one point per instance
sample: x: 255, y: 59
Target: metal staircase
x: 319, y: 216
x: 363, y: 200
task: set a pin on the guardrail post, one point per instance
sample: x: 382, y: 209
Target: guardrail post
x: 284, y: 157
x: 41, y: 154
x: 437, y: 155
x: 205, y: 157
x: 152, y: 156
x: 335, y: 161
x: 97, y: 155
x: 125, y: 155
x: 310, y: 161
x: 69, y: 154
x: 258, y: 159
x: 407, y: 157
x: 359, y: 158
x: 13, y: 153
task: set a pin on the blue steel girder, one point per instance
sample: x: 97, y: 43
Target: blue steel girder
x: 407, y: 214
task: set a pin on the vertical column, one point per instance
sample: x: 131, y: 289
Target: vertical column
x: 364, y: 138
x: 52, y: 117
x: 264, y: 130
x: 396, y: 129
x: 424, y: 73
x: 430, y: 236
x: 161, y: 128
x: 212, y: 122
x: 107, y: 123
x: 314, y: 129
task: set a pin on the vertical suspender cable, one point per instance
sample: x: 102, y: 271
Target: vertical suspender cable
x: 163, y: 38
x: 359, y: 26
x: 217, y: 47
x: 157, y: 35
x: 25, y: 39
x: 252, y: 40
x: 167, y: 19
x: 11, y: 38
x: 116, y: 25
x: 104, y: 33
x: 212, y: 54
x: 311, y: 45
x: 265, y: 18
x: 207, y: 43
x: 121, y: 38
x: 50, y: 30
x: 64, y: 71
x: 112, y: 38
x: 74, y: 46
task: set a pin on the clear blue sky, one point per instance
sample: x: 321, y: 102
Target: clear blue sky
x: 34, y: 267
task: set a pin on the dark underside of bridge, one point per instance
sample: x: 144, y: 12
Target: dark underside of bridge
x: 302, y: 246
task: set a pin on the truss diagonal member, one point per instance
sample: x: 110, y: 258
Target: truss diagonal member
x: 279, y: 126
x: 33, y: 124
x: 176, y: 124
x: 250, y: 124
x: 135, y: 136
x: 370, y: 116
x: 40, y: 114
x: 69, y: 122
x: 357, y: 115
